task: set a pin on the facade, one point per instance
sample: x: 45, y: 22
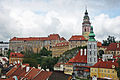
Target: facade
x: 104, y: 70
x: 113, y: 48
x: 77, y: 40
x: 80, y: 66
x: 16, y: 58
x: 4, y: 47
x: 68, y: 68
x: 92, y: 49
x: 86, y: 25
x: 59, y: 49
x: 34, y: 44
x: 105, y: 57
x: 59, y: 67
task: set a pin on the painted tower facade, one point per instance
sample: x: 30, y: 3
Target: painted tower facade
x: 91, y: 48
x: 86, y: 25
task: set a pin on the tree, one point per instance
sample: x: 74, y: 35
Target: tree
x: 45, y: 52
x: 31, y: 61
x: 110, y: 39
x: 118, y: 68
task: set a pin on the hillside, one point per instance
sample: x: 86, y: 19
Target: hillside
x: 70, y: 54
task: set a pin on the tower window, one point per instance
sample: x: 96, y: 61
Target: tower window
x: 90, y: 59
x: 90, y: 46
x: 85, y: 29
x: 90, y: 52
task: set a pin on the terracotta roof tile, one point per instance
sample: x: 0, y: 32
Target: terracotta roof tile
x: 18, y: 55
x: 105, y: 64
x: 11, y: 71
x: 77, y: 37
x: 79, y: 58
x: 43, y: 75
x: 32, y: 73
x: 99, y: 44
x: 62, y: 39
x: 113, y: 47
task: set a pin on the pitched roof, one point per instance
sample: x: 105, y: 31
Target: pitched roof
x: 99, y: 44
x: 106, y: 64
x: 113, y: 47
x: 11, y: 71
x: 32, y: 73
x: 54, y: 37
x: 62, y: 39
x: 50, y: 37
x: 17, y: 55
x: 43, y: 75
x: 79, y: 58
x: 77, y: 37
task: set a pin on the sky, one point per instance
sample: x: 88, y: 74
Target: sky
x: 38, y: 18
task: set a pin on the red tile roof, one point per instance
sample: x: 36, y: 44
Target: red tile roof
x: 77, y: 37
x: 11, y: 71
x: 32, y: 74
x: 62, y: 39
x: 50, y: 37
x: 17, y: 55
x: 54, y: 37
x: 43, y: 75
x: 99, y: 44
x: 113, y: 47
x: 106, y: 64
x: 79, y: 58
x: 62, y: 44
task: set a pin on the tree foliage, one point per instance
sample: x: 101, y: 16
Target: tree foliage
x: 43, y: 58
x: 110, y: 39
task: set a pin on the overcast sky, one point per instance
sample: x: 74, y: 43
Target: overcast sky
x: 37, y: 18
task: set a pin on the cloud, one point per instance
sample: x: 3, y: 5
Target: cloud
x: 105, y: 26
x: 25, y: 18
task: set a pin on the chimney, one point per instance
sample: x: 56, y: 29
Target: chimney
x: 84, y: 51
x: 47, y: 70
x: 27, y: 69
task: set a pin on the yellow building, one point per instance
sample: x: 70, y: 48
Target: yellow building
x: 34, y: 44
x: 77, y: 40
x: 68, y: 68
x: 104, y: 70
x: 59, y: 49
x: 16, y: 58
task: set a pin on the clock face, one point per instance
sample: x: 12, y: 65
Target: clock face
x: 113, y: 66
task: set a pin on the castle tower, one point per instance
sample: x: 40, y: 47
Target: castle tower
x: 91, y: 48
x: 86, y: 25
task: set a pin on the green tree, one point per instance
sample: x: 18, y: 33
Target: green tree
x: 110, y: 39
x: 8, y: 53
x: 45, y: 52
x: 31, y: 61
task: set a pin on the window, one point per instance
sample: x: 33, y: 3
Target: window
x: 90, y: 59
x: 90, y: 52
x: 94, y: 59
x: 90, y: 46
x: 104, y: 70
x: 94, y: 53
